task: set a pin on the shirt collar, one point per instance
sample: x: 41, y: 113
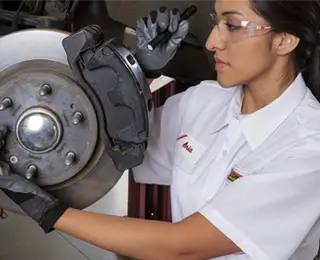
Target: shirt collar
x: 227, y: 113
x: 258, y: 126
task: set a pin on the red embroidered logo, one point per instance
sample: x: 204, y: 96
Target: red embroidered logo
x: 181, y: 137
x: 187, y: 147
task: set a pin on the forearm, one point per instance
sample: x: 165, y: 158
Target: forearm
x: 135, y: 238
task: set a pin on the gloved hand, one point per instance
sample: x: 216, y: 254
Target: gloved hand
x: 36, y: 203
x: 152, y: 62
x: 3, y: 134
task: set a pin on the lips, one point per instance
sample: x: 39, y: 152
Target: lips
x: 220, y: 64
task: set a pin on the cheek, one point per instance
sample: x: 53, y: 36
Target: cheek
x: 248, y: 59
x: 253, y: 57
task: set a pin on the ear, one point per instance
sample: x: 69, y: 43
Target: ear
x: 285, y: 43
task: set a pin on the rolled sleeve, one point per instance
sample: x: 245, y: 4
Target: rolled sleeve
x: 268, y: 214
x: 157, y: 165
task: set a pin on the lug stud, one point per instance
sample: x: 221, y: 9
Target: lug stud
x: 77, y: 118
x: 70, y: 158
x: 6, y: 102
x: 31, y: 172
x: 44, y: 90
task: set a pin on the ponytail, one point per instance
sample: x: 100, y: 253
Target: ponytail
x: 311, y: 74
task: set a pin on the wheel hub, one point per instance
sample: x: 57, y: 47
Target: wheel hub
x: 38, y: 130
x: 41, y: 107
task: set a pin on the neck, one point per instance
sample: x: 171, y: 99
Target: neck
x: 265, y: 88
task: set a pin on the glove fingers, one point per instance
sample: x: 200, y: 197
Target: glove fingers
x: 3, y: 134
x: 178, y: 37
x: 163, y: 19
x: 2, y: 144
x: 174, y: 20
x: 16, y: 183
x: 4, y: 169
x: 182, y: 32
x: 152, y: 25
x: 143, y: 37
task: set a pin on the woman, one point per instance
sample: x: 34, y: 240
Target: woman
x: 241, y: 154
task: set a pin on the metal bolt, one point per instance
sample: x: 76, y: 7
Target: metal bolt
x: 70, y: 158
x: 6, y: 102
x: 44, y: 90
x: 31, y: 172
x: 13, y: 159
x: 77, y: 118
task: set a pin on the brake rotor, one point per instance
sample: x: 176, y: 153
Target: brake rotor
x: 53, y: 130
x: 49, y: 116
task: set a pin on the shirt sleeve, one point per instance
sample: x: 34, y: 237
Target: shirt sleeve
x: 157, y: 164
x: 269, y: 213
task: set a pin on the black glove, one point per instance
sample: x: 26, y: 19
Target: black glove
x: 152, y: 62
x: 3, y: 134
x: 35, y: 202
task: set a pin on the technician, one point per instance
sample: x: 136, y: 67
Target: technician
x: 242, y: 155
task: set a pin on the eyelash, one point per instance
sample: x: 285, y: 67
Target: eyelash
x: 232, y: 27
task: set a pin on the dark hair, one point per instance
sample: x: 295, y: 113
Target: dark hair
x: 301, y: 19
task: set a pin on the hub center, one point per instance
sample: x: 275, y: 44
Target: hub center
x: 38, y: 130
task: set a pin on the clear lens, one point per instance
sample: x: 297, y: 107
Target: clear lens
x: 231, y: 29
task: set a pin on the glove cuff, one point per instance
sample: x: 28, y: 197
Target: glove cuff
x: 152, y: 74
x: 52, y: 216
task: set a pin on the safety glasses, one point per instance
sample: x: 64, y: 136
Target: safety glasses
x: 231, y: 29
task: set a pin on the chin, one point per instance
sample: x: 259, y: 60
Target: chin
x: 228, y: 81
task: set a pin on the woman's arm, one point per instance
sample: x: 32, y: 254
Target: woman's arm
x: 193, y: 238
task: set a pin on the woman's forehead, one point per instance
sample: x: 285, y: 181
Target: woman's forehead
x: 239, y: 8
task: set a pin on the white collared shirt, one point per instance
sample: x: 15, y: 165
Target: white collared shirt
x: 255, y: 177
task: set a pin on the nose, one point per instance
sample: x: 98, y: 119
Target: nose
x: 214, y: 41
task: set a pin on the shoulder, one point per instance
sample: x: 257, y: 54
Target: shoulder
x: 307, y: 115
x: 305, y: 125
x: 204, y: 95
x: 295, y: 143
x: 304, y: 122
x: 209, y: 90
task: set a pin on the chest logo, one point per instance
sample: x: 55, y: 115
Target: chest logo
x: 233, y: 176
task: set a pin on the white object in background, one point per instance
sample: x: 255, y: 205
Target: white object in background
x: 160, y: 82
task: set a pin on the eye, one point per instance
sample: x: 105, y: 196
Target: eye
x: 232, y: 27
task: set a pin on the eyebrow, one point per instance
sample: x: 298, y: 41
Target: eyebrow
x: 232, y: 12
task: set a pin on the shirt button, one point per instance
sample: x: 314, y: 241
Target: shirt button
x: 224, y: 152
x: 208, y: 199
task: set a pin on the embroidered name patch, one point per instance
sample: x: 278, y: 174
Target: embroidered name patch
x: 190, y: 148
